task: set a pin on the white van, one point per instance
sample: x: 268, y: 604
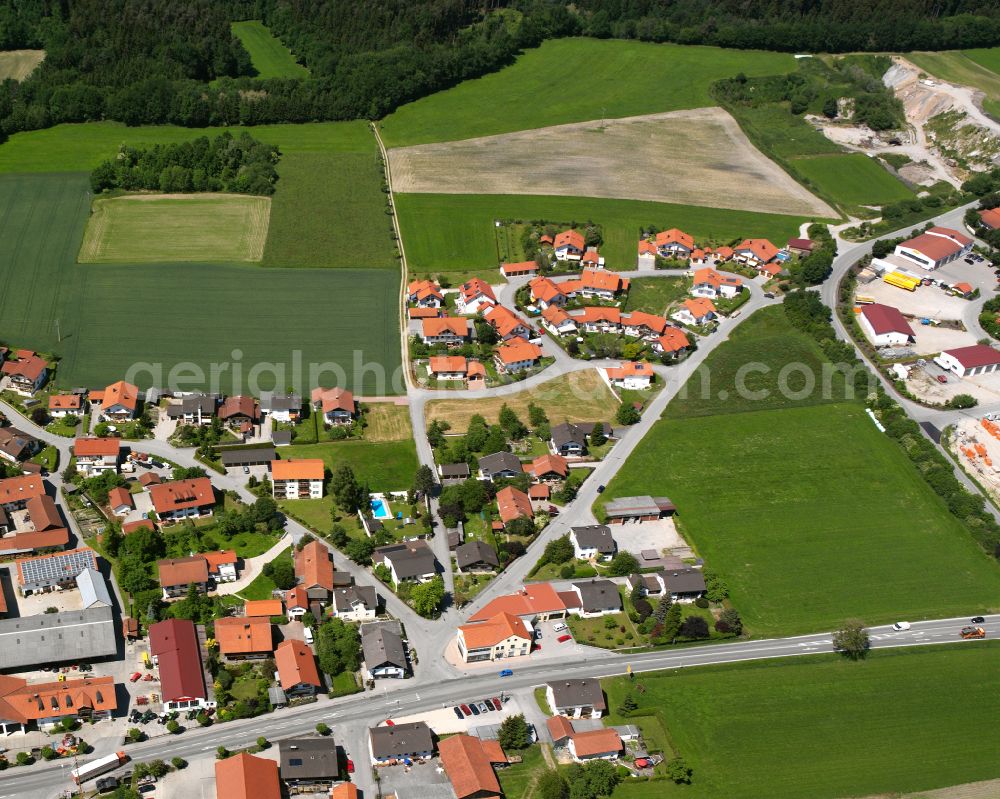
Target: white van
x: 309, y: 635
x: 560, y: 627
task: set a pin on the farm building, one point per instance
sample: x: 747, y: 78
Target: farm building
x: 978, y: 359
x: 885, y: 326
x: 935, y: 248
x: 638, y: 509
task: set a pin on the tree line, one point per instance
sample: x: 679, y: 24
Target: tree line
x: 239, y: 164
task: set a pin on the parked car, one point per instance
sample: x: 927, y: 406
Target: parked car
x: 350, y: 766
x: 490, y: 705
x: 458, y: 712
x: 899, y: 626
x: 600, y: 489
x: 246, y: 469
x: 135, y: 676
x: 466, y: 710
x: 977, y: 619
x: 559, y: 628
x: 769, y: 295
x: 474, y: 709
x: 308, y: 635
x: 497, y: 702
x: 942, y: 378
x: 483, y: 707
x: 506, y: 673
x: 564, y: 638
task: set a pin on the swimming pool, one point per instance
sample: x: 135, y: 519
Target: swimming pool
x: 380, y: 510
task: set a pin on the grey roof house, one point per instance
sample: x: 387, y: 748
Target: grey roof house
x: 408, y: 561
x: 592, y: 541
x: 309, y: 761
x: 683, y: 585
x: 569, y: 439
x: 598, y: 597
x: 500, y: 464
x: 576, y: 698
x: 193, y: 409
x: 401, y: 742
x: 476, y: 556
x: 384, y: 653
x: 452, y: 473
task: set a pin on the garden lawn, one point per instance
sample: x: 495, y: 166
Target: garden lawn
x: 262, y: 585
x: 825, y: 727
x: 268, y: 55
x: 386, y: 466
x: 385, y: 421
x: 654, y: 294
x: 623, y: 78
x: 518, y: 779
x: 455, y: 232
x: 818, y: 518
x: 852, y: 179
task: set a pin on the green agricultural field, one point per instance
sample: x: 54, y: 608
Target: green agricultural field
x: 269, y: 56
x: 823, y: 727
x: 977, y: 68
x: 852, y: 179
x: 18, y: 64
x: 385, y: 466
x: 154, y: 229
x: 574, y: 80
x: 113, y: 316
x: 455, y: 233
x: 329, y: 211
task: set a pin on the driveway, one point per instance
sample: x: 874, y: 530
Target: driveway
x: 660, y: 535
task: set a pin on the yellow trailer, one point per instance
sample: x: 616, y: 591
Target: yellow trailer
x: 902, y: 281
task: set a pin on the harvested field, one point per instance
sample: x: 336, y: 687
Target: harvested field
x: 617, y: 159
x: 574, y: 397
x: 18, y: 64
x: 151, y: 228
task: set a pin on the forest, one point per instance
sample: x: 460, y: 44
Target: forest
x: 151, y: 61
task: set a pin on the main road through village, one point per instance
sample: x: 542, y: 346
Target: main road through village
x: 436, y: 683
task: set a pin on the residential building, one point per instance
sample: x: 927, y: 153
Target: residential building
x: 597, y: 319
x: 513, y: 504
x: 410, y: 741
x: 475, y: 296
x: 17, y: 446
x: 592, y: 259
x: 594, y: 283
x: 568, y: 245
x: 177, y: 574
x: 560, y: 730
x: 297, y: 672
x: 309, y: 762
x: 424, y: 294
x: 519, y: 269
x: 755, y: 252
x: 545, y: 293
x: 384, y: 654
x: 640, y: 324
x: 355, y: 603
x: 268, y: 608
x: 181, y: 499
x: 240, y: 413
x: 24, y: 705
x: 222, y: 565
x: 76, y: 636
x: 638, y: 509
x: 569, y: 440
x: 336, y: 404
x: 972, y: 361
x: 534, y: 602
x: 516, y: 356
x: 194, y: 409
x: 452, y: 331
x: 507, y: 324
x: 576, y: 698
x: 53, y: 572
x: 410, y: 561
x: 502, y: 637
x: 499, y: 465
x: 674, y: 243
x: 448, y: 367
x: 314, y: 570
x: 558, y: 322
x: 697, y: 311
x: 646, y: 255
x: 990, y: 218
x: 95, y: 456
x: 801, y: 247
x: 297, y: 602
x: 603, y: 744
x: 244, y: 637
x: 120, y: 501
x: 452, y: 473
x: 298, y: 478
x: 63, y: 405
x: 176, y: 650
x: 683, y: 585
x: 119, y: 402
x: 26, y: 373
x: 549, y: 468
x: 281, y: 407
x: 40, y: 529
x: 597, y: 597
x: 468, y: 762
x: 344, y: 790
x: 476, y: 556
x: 16, y: 491
x: 673, y: 342
x: 631, y: 375
x: 885, y: 326
x: 711, y: 284
x: 244, y: 776
x: 934, y: 248
x: 592, y: 542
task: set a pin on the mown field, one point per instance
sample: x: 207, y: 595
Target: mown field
x: 268, y: 55
x: 852, y: 179
x: 156, y: 228
x: 822, y: 727
x: 112, y: 316
x: 385, y: 466
x: 456, y: 233
x: 814, y: 504
x: 574, y: 80
x: 977, y: 68
x: 18, y: 64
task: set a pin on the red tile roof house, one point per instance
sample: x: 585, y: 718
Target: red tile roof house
x: 990, y: 218
x: 596, y: 319
x: 181, y: 499
x: 517, y: 357
x: 26, y: 374
x: 239, y: 412
x: 592, y: 259
x: 424, y: 294
x: 568, y: 245
x: 499, y: 638
x: 97, y: 455
x: 513, y: 504
x: 46, y: 532
x: 604, y: 744
x: 336, y: 404
x: 448, y: 367
x: 801, y: 247
x: 468, y: 762
x: 314, y: 570
x: 298, y: 478
x: 297, y: 670
x: 507, y: 323
x: 978, y: 359
x: 120, y: 501
x: 176, y: 652
x: 885, y: 326
x: 711, y: 284
x: 630, y: 375
x: 674, y: 243
x: 243, y: 638
x: 222, y: 565
x: 697, y: 311
x: 935, y: 247
x: 544, y: 292
x: 450, y: 330
x: 595, y: 283
x: 177, y: 574
x: 63, y: 405
x: 244, y: 776
x: 755, y: 252
x: 475, y: 296
x: 118, y: 402
x: 646, y: 255
x: 534, y: 602
x: 557, y: 321
x: 640, y: 324
x: 46, y: 704
x: 548, y: 468
x: 519, y: 269
x: 673, y: 342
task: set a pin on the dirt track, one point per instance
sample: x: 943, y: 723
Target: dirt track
x: 698, y: 157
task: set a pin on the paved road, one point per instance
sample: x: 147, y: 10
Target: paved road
x: 415, y: 696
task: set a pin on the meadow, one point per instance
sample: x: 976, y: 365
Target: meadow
x: 823, y: 727
x: 977, y: 68
x: 574, y: 80
x: 385, y: 466
x: 268, y: 55
x: 654, y: 294
x: 852, y: 179
x: 18, y: 64
x: 149, y: 228
x: 110, y: 316
x: 455, y: 233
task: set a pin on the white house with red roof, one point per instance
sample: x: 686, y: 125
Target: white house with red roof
x: 516, y: 356
x: 336, y: 404
x: 26, y: 373
x: 885, y: 326
x: 711, y: 284
x: 63, y: 405
x: 95, y: 456
x: 474, y: 296
x: 507, y: 324
x: 119, y: 401
x: 646, y: 256
x: 674, y: 243
x: 450, y: 330
x: 448, y: 367
x: 978, y: 359
x: 695, y: 311
x: 545, y: 292
x: 569, y: 245
x: 673, y: 342
x: 935, y: 247
x: 634, y: 375
x: 591, y: 259
x: 755, y: 252
x: 424, y: 294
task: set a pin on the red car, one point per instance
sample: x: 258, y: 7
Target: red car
x: 135, y: 676
x: 350, y: 766
x: 466, y: 710
x: 498, y: 703
x: 942, y: 379
x: 562, y: 639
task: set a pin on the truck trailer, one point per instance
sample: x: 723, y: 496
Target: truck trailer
x: 96, y: 768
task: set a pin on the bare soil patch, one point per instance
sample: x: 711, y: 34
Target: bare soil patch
x: 18, y: 64
x: 696, y: 157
